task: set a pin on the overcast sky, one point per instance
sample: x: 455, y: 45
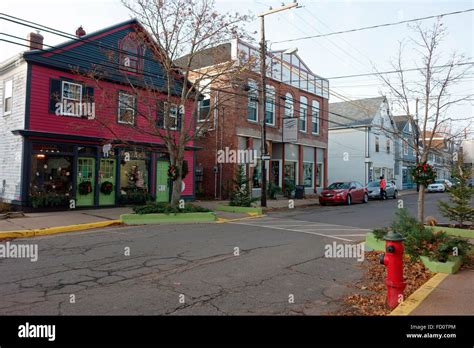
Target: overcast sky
x: 338, y: 55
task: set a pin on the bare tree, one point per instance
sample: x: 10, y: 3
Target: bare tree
x: 177, y: 31
x: 436, y: 76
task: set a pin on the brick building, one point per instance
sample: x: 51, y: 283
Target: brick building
x: 293, y: 92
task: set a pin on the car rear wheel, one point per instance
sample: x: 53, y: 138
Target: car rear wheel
x: 366, y: 198
x: 349, y: 200
x: 323, y: 203
x: 395, y: 194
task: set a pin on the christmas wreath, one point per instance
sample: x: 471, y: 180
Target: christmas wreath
x: 85, y: 188
x: 173, y: 172
x: 106, y: 187
x: 423, y: 174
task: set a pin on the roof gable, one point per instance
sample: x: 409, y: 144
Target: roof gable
x: 101, y: 52
x: 355, y: 112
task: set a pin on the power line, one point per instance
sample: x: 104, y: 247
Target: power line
x: 396, y: 71
x: 376, y: 26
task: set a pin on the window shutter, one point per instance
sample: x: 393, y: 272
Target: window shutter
x: 88, y: 94
x: 185, y: 169
x: 54, y: 94
x: 160, y: 114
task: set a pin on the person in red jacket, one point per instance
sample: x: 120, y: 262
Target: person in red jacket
x: 383, y: 186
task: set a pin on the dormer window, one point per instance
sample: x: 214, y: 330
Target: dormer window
x: 131, y: 54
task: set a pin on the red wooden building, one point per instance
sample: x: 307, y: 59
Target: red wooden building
x: 84, y: 131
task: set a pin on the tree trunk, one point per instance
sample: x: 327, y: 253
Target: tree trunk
x: 176, y: 192
x: 421, y: 204
x: 176, y: 187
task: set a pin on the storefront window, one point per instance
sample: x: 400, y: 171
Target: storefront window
x: 319, y: 175
x: 134, y: 172
x: 290, y: 172
x: 257, y: 175
x: 308, y: 174
x: 276, y: 172
x: 51, y: 180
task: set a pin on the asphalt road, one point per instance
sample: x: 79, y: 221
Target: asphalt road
x: 279, y: 267
x: 374, y: 214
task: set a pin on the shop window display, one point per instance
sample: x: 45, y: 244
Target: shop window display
x: 51, y: 180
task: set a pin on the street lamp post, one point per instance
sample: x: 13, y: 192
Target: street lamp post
x: 263, y: 97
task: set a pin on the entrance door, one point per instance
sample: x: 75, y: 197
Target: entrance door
x: 107, y: 181
x: 162, y: 188
x: 85, y: 182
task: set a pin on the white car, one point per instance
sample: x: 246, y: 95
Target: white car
x: 437, y: 186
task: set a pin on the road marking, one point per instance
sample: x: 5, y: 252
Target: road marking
x: 293, y: 230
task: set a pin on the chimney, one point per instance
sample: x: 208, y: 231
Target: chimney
x: 80, y: 32
x: 35, y: 40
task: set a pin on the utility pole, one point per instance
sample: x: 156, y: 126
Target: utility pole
x: 263, y: 97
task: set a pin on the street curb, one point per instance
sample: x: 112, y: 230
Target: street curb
x: 415, y: 299
x: 307, y: 205
x: 58, y: 229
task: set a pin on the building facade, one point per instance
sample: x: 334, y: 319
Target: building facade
x: 71, y: 138
x: 407, y: 135
x: 295, y: 94
x: 362, y: 141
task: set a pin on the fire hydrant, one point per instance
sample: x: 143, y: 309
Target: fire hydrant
x: 393, y: 259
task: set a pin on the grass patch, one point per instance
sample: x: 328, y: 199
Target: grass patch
x: 165, y: 208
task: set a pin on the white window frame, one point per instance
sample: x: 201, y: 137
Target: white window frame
x: 270, y: 101
x: 206, y: 92
x: 289, y: 106
x: 388, y: 146
x: 67, y: 99
x: 172, y: 115
x: 315, y: 119
x: 5, y: 97
x: 127, y: 108
x: 252, y: 93
x: 377, y: 144
x: 303, y: 115
x: 405, y: 147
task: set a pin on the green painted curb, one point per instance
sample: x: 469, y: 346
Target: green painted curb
x: 454, y: 231
x: 148, y: 219
x: 451, y: 266
x: 231, y: 209
x: 374, y: 243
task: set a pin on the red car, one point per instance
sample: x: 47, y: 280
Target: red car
x: 344, y: 192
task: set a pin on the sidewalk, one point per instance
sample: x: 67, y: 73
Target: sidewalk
x: 61, y: 218
x: 453, y: 296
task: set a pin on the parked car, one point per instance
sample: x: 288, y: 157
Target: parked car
x: 344, y: 192
x: 373, y: 188
x: 437, y: 186
x: 448, y: 184
x: 470, y: 182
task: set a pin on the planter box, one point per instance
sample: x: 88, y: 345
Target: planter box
x: 374, y: 243
x: 459, y: 232
x: 147, y: 219
x: 231, y: 209
x: 450, y: 266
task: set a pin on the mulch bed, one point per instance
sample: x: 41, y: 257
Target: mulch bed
x: 370, y: 295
